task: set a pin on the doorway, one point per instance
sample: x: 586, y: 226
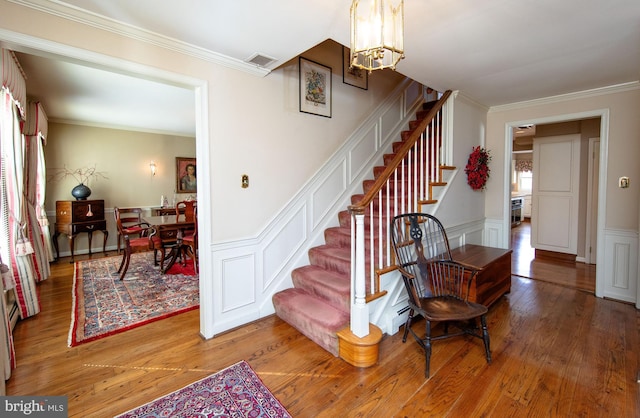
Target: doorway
x: 32, y: 45
x: 600, y: 206
x: 524, y: 263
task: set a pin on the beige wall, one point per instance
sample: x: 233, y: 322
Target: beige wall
x: 245, y: 124
x: 253, y: 123
x: 123, y: 156
x: 623, y: 147
x: 258, y: 130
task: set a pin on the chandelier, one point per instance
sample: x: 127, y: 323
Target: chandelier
x: 377, y: 34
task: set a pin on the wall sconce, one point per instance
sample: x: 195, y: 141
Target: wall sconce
x: 152, y: 166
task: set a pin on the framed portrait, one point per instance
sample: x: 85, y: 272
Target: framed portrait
x: 186, y: 175
x: 315, y: 88
x: 353, y: 76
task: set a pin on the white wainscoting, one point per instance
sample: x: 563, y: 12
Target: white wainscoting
x: 248, y: 272
x: 494, y: 234
x: 467, y: 233
x: 620, y: 270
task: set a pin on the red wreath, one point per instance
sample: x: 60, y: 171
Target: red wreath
x: 477, y: 168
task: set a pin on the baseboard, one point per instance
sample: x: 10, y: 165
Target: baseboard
x: 563, y: 257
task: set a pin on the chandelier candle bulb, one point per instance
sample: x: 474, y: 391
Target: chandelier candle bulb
x: 377, y: 34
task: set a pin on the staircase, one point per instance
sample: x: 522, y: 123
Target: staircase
x: 320, y: 302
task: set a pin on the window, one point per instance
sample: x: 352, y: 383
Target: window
x: 525, y: 181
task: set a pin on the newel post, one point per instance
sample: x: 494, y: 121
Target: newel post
x: 359, y: 307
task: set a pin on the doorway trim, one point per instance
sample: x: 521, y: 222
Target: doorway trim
x: 591, y: 199
x: 603, y: 114
x: 38, y: 46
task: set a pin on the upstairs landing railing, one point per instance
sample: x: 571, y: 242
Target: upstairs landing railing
x: 405, y: 184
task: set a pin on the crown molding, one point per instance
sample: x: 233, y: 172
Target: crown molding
x: 65, y: 11
x: 617, y: 88
x: 127, y: 128
x: 470, y: 100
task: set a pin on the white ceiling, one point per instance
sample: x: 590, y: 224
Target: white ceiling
x: 494, y: 51
x: 76, y: 93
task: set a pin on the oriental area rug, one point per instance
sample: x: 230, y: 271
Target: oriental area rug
x: 104, y: 305
x: 233, y: 392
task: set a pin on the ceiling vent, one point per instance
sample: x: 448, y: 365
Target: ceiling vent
x: 260, y: 60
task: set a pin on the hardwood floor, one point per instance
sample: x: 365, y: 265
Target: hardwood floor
x: 557, y: 352
x: 524, y: 263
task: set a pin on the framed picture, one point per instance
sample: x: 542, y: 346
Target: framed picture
x: 315, y: 88
x: 351, y: 75
x: 186, y: 175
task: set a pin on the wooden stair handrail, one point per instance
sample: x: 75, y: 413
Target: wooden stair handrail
x: 359, y: 208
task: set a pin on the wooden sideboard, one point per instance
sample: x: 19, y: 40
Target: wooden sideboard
x: 164, y: 211
x: 494, y: 278
x: 74, y: 217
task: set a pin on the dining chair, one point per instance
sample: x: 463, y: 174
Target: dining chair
x: 132, y: 245
x: 190, y: 242
x: 437, y: 286
x: 186, y: 207
x: 160, y: 247
x: 132, y: 223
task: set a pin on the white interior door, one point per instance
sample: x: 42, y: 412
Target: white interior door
x: 556, y: 179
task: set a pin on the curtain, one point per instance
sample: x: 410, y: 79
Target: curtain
x: 524, y: 165
x: 9, y: 126
x: 7, y: 351
x: 16, y: 247
x: 25, y: 244
x: 13, y: 79
x: 20, y: 236
x: 35, y: 131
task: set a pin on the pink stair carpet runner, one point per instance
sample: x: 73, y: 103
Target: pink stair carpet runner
x: 318, y: 304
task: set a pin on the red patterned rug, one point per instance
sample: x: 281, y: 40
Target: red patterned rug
x: 233, y: 392
x: 104, y: 305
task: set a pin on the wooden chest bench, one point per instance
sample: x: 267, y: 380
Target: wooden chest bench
x: 494, y: 278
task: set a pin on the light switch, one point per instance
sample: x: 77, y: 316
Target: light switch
x: 623, y: 182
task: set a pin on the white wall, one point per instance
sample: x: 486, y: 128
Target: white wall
x: 462, y: 204
x: 617, y: 107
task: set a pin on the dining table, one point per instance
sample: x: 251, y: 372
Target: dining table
x: 170, y: 229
